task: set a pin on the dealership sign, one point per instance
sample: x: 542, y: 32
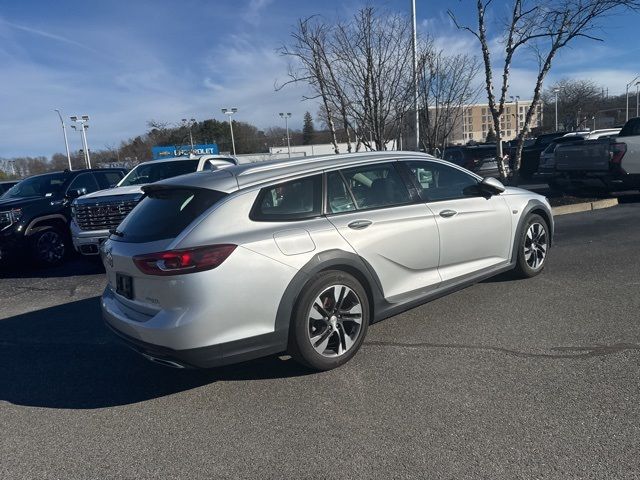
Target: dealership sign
x: 184, y: 150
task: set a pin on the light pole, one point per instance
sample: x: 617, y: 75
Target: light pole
x: 66, y: 141
x: 286, y: 117
x: 515, y: 99
x: 637, y: 100
x: 189, y: 123
x: 229, y: 112
x: 83, y: 121
x: 415, y: 73
x: 627, y: 93
x: 556, y: 91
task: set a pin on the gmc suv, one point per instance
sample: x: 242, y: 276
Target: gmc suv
x: 35, y: 213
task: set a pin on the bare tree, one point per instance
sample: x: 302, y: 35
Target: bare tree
x: 359, y: 69
x: 309, y: 52
x: 545, y: 26
x: 446, y: 85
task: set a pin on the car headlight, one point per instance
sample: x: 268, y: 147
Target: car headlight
x: 9, y: 217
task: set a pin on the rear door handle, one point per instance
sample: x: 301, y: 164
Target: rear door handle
x: 448, y: 213
x: 359, y: 224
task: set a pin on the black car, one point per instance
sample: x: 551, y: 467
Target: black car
x: 35, y: 213
x: 6, y: 185
x: 480, y: 159
x: 530, y: 159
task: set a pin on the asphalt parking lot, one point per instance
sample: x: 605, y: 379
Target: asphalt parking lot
x: 505, y: 379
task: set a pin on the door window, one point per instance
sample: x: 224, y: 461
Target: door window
x: 375, y: 186
x: 339, y: 197
x: 294, y: 200
x: 436, y: 181
x: 84, y: 180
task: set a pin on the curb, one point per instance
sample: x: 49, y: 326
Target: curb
x: 584, y: 207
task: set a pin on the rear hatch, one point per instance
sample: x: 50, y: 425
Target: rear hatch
x: 590, y: 155
x: 152, y: 227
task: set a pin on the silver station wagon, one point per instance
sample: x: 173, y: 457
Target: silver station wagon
x: 300, y: 256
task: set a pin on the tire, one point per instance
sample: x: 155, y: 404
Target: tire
x: 327, y: 337
x: 531, y: 261
x: 48, y: 247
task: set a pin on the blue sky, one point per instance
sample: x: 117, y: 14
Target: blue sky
x: 126, y: 62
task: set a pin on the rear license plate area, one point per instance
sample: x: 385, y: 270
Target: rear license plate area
x: 124, y: 285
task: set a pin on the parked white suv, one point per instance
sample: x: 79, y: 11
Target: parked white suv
x: 301, y: 255
x: 93, y: 215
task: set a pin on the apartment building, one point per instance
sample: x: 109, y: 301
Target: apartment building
x: 476, y: 121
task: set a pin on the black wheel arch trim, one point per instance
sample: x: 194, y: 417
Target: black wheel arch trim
x: 532, y: 206
x: 328, y: 260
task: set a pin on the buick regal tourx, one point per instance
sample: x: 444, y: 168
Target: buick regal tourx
x: 301, y: 256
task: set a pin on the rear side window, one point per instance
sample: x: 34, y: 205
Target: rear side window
x: 165, y: 213
x: 294, y: 200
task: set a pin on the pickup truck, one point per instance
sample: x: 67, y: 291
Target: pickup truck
x: 531, y: 154
x: 614, y: 162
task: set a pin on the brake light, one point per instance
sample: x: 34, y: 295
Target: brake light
x: 190, y: 260
x: 617, y: 152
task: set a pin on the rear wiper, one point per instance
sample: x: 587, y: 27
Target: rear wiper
x: 117, y: 233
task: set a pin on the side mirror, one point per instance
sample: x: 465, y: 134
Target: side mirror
x: 492, y: 186
x: 76, y: 192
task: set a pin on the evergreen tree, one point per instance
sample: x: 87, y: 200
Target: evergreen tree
x: 308, y: 130
x: 491, y: 136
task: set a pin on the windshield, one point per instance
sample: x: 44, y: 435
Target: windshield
x: 40, y: 186
x: 154, y: 172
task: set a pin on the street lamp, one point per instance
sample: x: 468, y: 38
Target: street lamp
x: 637, y: 100
x: 189, y: 123
x: 556, y: 91
x: 83, y: 125
x: 627, y: 93
x: 66, y: 141
x: 286, y: 117
x: 229, y: 112
x: 515, y: 99
x: 415, y: 72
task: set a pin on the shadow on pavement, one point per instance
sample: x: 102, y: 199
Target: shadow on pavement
x: 74, y: 265
x: 64, y: 357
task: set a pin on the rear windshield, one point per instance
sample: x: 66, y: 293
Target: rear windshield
x: 154, y: 172
x: 165, y: 213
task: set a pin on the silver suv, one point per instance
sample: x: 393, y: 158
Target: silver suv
x: 302, y: 255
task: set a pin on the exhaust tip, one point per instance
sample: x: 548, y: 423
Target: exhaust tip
x: 163, y: 361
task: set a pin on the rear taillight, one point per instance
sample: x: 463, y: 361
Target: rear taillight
x: 177, y: 262
x: 617, y: 152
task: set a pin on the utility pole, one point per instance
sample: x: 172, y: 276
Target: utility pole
x: 66, y: 141
x: 286, y: 117
x: 229, y: 112
x: 415, y: 74
x: 83, y: 121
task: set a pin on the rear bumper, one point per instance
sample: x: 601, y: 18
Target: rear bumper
x: 206, y: 357
x: 136, y: 329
